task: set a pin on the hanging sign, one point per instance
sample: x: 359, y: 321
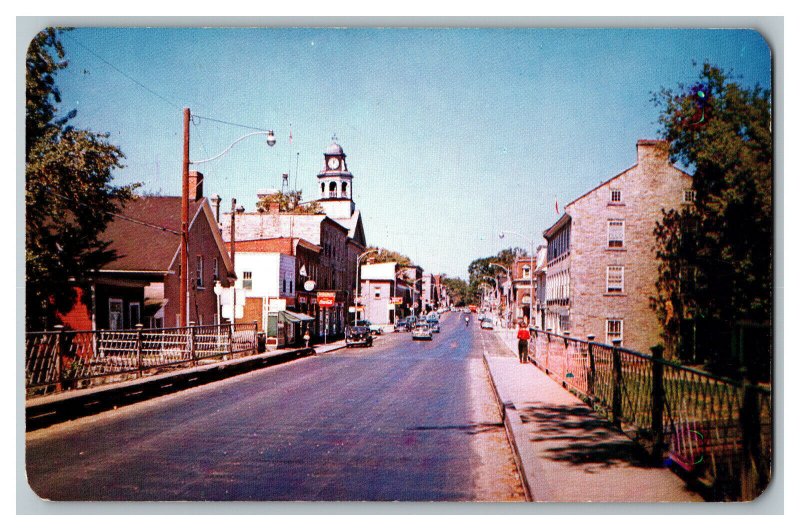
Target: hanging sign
x: 397, y: 300
x: 326, y: 299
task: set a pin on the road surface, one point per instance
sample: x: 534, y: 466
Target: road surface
x: 403, y: 420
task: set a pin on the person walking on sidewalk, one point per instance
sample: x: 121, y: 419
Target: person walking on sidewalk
x: 523, y: 335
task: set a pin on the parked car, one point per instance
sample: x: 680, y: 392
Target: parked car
x: 487, y: 324
x: 375, y: 329
x: 434, y: 326
x: 357, y: 335
x: 401, y: 325
x: 422, y: 331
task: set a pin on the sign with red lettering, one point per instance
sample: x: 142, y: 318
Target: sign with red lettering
x: 326, y: 299
x: 397, y: 300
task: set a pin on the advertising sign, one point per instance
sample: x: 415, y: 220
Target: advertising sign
x: 326, y: 299
x: 397, y: 300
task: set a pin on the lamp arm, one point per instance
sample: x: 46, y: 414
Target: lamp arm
x: 248, y: 135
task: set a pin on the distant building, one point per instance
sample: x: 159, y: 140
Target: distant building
x: 382, y: 282
x: 521, y: 272
x: 601, y: 263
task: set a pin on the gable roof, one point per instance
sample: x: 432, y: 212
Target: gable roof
x: 262, y: 226
x: 141, y: 247
x: 146, y: 234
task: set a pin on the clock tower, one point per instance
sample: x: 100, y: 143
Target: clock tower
x: 336, y: 183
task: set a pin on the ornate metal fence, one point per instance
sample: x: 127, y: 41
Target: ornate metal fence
x: 716, y: 429
x: 64, y: 359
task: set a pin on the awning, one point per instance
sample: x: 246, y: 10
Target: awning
x: 294, y: 317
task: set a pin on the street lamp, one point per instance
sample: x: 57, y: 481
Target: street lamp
x: 530, y: 304
x: 358, y: 277
x: 184, y: 269
x: 504, y: 268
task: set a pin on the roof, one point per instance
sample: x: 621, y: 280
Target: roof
x: 334, y: 149
x: 273, y: 245
x: 263, y: 226
x: 139, y: 242
x: 548, y: 233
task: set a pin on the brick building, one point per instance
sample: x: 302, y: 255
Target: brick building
x: 141, y: 285
x: 601, y: 263
x: 521, y: 271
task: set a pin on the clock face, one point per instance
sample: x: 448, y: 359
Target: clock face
x: 333, y: 163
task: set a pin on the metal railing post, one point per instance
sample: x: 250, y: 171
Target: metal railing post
x: 616, y: 402
x: 657, y: 422
x: 564, y: 370
x: 57, y: 351
x: 591, y: 376
x: 192, y: 352
x: 139, y: 349
x: 255, y: 338
x: 547, y: 354
x: 752, y: 474
x: 230, y: 340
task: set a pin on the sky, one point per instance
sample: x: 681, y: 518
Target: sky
x: 452, y: 135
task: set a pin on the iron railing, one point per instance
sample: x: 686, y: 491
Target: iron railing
x: 718, y: 430
x: 71, y: 359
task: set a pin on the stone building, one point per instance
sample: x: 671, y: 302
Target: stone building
x: 601, y: 263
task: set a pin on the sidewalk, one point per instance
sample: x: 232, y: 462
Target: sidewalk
x: 565, y: 451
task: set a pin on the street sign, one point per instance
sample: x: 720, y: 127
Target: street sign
x: 326, y: 299
x: 354, y: 309
x: 309, y: 285
x: 276, y: 305
x: 397, y: 300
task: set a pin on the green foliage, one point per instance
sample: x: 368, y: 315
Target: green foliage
x: 481, y: 267
x: 290, y: 203
x: 715, y: 258
x: 385, y: 255
x: 68, y: 196
x: 458, y: 290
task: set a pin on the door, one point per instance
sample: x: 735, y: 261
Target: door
x: 115, y: 314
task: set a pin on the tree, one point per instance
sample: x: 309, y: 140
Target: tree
x: 481, y: 267
x: 385, y: 255
x: 715, y: 257
x: 458, y: 290
x: 290, y: 203
x: 69, y: 198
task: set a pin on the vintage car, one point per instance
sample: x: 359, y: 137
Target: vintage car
x: 422, y: 331
x: 357, y: 335
x: 401, y: 325
x: 487, y: 324
x: 374, y: 329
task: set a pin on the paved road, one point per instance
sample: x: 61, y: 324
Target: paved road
x: 403, y: 420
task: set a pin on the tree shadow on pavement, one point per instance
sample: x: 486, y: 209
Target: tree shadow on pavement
x: 575, y: 434
x: 471, y: 429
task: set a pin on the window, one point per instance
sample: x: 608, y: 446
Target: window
x: 216, y: 269
x: 291, y: 286
x: 616, y: 233
x: 615, y: 279
x: 115, y: 314
x: 526, y: 271
x: 247, y: 280
x: 377, y: 292
x: 322, y: 189
x: 616, y: 196
x: 613, y: 330
x: 332, y: 190
x: 283, y: 285
x: 344, y: 189
x: 689, y: 196
x: 199, y: 277
x: 135, y: 314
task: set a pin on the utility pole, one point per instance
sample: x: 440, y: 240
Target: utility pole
x: 184, y: 277
x: 233, y: 257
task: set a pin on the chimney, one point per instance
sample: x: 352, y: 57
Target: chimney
x: 652, y: 152
x: 215, y: 201
x: 195, y: 185
x: 274, y: 208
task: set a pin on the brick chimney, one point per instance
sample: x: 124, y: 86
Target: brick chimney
x: 195, y: 185
x: 274, y: 208
x: 650, y: 152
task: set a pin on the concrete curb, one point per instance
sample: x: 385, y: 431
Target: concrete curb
x: 510, y: 416
x: 45, y: 411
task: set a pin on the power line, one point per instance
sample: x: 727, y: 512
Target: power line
x: 229, y: 123
x: 142, y: 85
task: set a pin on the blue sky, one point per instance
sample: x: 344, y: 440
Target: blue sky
x: 452, y: 135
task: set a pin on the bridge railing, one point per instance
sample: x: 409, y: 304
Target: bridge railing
x: 72, y: 359
x: 718, y: 430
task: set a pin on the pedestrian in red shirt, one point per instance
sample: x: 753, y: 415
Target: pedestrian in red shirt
x: 523, y: 335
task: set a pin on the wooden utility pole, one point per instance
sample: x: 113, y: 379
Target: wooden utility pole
x: 184, y: 276
x: 233, y: 258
